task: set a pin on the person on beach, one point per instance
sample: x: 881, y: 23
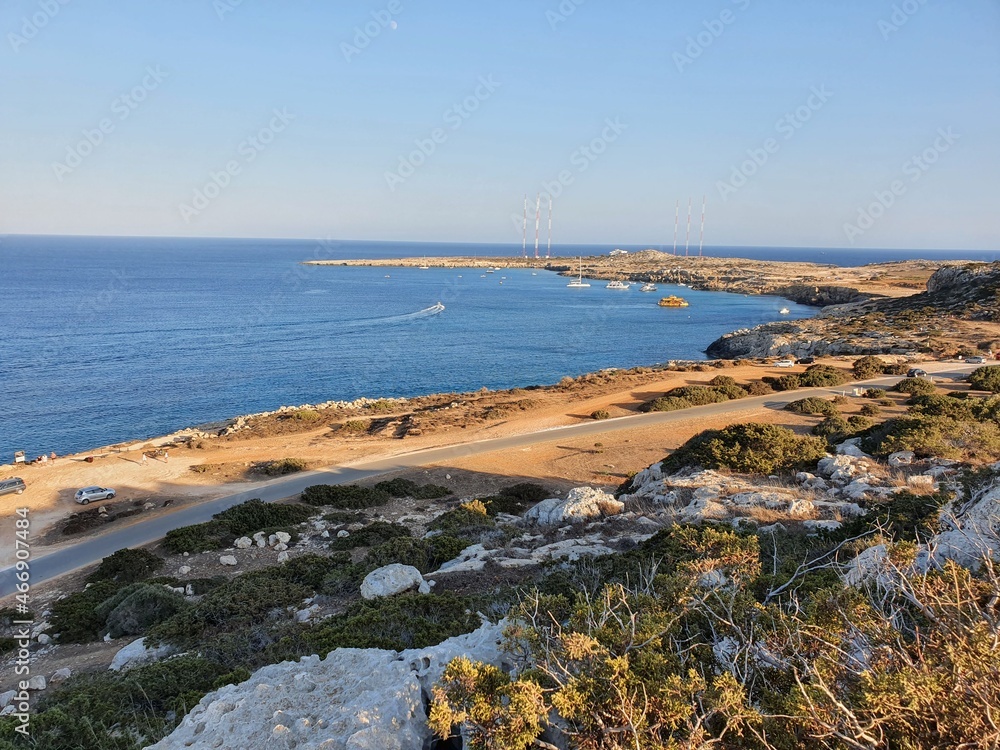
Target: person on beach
x: 143, y: 461
x: 166, y: 457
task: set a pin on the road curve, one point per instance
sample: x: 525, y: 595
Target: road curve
x: 89, y: 551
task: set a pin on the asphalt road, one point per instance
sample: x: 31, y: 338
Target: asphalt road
x: 67, y: 559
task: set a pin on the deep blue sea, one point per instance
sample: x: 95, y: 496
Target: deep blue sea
x: 110, y: 339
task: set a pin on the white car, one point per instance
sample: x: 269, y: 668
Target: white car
x: 785, y: 363
x: 85, y: 495
x: 975, y: 360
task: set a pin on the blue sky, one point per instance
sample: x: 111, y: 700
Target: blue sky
x: 508, y: 98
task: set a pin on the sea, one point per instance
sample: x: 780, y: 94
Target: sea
x: 104, y: 340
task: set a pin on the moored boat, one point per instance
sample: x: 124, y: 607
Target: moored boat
x: 673, y: 301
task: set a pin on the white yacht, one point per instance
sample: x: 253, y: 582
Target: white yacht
x: 649, y: 287
x: 784, y: 311
x: 619, y: 285
x: 578, y: 282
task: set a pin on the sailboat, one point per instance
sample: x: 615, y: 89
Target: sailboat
x: 579, y: 283
x: 424, y: 267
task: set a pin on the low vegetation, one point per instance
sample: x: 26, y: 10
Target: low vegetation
x: 749, y: 449
x: 241, y: 520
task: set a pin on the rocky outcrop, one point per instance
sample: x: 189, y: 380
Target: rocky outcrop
x: 973, y: 532
x: 136, y: 654
x: 393, y: 579
x: 580, y: 505
x: 354, y: 699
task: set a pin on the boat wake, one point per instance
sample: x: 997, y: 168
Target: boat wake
x: 390, y: 320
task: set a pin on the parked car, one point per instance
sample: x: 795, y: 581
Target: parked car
x: 85, y: 495
x: 805, y: 360
x: 785, y: 363
x: 14, y: 484
x: 916, y: 372
x: 975, y: 360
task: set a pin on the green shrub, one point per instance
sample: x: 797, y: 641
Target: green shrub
x: 903, y: 517
x: 722, y: 380
x: 345, y: 496
x: 344, y: 517
x: 697, y: 395
x: 867, y: 368
x: 425, y: 555
x: 282, y: 467
x: 407, y: 488
x: 900, y: 368
x: 126, y: 566
x: 939, y: 405
x: 469, y: 520
x: 834, y: 429
x: 822, y: 376
x: 915, y: 386
x: 985, y: 379
x: 356, y: 425
x: 398, y: 623
x: 240, y: 520
x: 600, y: 414
x: 812, y: 405
x: 370, y: 536
x: 136, y: 608
x: 382, y: 406
x: 859, y: 423
x: 929, y: 436
x: 875, y: 393
x: 759, y: 388
x: 786, y: 383
x: 870, y: 410
x: 515, y: 499
x: 75, y: 617
x: 306, y: 415
x: 731, y: 392
x: 749, y: 449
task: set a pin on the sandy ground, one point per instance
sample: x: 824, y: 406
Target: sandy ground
x: 226, y: 463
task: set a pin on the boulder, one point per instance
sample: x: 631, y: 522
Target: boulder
x: 260, y: 539
x: 343, y: 534
x: 390, y: 580
x: 244, y: 542
x: 136, y: 654
x: 901, y: 458
x: 228, y: 560
x: 581, y: 504
x: 283, y: 556
x: 183, y: 570
x: 283, y: 537
x: 7, y: 698
x: 974, y: 533
x: 44, y: 639
x: 60, y: 675
x: 850, y: 448
x: 37, y: 682
x: 355, y: 699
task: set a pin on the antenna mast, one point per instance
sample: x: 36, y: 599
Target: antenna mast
x: 701, y: 244
x: 687, y: 242
x: 538, y: 219
x: 677, y: 218
x: 524, y: 234
x: 548, y: 251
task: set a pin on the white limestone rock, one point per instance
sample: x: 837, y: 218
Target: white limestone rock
x: 974, y: 532
x: 343, y: 534
x: 850, y: 448
x: 354, y: 699
x: 282, y: 537
x: 282, y: 556
x: 580, y: 505
x: 183, y: 570
x: 227, y: 560
x: 60, y: 675
x: 390, y: 580
x: 37, y: 682
x: 244, y: 542
x: 136, y: 654
x: 901, y: 458
x: 260, y: 539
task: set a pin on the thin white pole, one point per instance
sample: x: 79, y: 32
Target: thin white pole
x: 538, y: 219
x: 548, y: 251
x: 687, y: 242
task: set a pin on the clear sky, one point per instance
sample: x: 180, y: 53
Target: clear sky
x: 313, y: 124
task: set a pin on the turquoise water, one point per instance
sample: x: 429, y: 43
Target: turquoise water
x: 106, y: 340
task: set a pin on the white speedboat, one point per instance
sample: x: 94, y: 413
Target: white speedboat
x: 784, y: 311
x: 648, y: 288
x: 619, y: 285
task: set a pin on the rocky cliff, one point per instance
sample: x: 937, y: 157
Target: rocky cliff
x: 880, y: 326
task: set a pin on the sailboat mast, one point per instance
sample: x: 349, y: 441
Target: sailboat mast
x: 687, y: 241
x: 701, y: 243
x: 538, y: 220
x: 524, y: 233
x: 548, y: 250
x: 677, y: 218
